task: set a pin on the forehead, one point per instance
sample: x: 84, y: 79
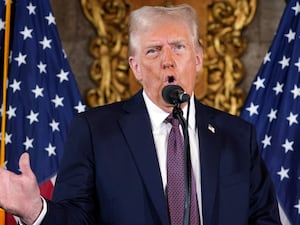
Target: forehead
x: 166, y: 30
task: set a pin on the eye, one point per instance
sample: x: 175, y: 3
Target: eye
x: 150, y: 51
x: 153, y: 51
x: 179, y: 46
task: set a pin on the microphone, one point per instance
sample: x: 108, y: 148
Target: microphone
x: 174, y: 94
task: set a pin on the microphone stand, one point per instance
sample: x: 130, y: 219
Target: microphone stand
x: 177, y: 113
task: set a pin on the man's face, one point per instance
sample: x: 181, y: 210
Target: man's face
x: 165, y: 54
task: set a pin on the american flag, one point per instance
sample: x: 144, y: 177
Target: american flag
x: 42, y: 94
x: 273, y: 106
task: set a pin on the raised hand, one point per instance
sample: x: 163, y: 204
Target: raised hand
x: 20, y: 194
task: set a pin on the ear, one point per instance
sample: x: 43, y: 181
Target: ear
x: 199, y: 60
x: 135, y: 68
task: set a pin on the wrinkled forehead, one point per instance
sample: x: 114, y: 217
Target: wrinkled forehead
x: 164, y: 19
x: 163, y: 33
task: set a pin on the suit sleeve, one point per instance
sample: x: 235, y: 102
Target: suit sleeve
x: 74, y: 194
x: 263, y: 202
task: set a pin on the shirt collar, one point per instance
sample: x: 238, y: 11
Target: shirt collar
x: 158, y: 116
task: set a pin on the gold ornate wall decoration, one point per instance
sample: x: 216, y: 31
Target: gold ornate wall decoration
x: 223, y: 43
x: 224, y: 47
x: 109, y: 71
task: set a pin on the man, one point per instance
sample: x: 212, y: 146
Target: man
x: 114, y: 170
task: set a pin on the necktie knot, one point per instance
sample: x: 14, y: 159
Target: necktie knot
x: 172, y: 120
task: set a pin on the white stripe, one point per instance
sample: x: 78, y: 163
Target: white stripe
x: 53, y: 179
x: 283, y: 217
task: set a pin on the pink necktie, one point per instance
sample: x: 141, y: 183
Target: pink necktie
x: 175, y: 178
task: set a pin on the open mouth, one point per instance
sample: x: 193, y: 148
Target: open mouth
x: 171, y: 79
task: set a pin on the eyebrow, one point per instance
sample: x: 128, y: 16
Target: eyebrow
x: 158, y: 43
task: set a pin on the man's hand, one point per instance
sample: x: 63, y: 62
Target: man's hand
x: 20, y: 194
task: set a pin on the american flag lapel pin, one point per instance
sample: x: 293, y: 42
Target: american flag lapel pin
x: 211, y: 128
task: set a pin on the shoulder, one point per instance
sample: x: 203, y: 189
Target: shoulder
x: 222, y: 119
x: 113, y: 111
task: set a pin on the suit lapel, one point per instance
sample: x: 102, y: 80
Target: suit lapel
x: 136, y: 128
x: 210, y: 141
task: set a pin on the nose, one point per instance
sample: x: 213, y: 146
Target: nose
x: 168, y: 59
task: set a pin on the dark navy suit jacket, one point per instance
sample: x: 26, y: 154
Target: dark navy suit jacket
x: 110, y: 173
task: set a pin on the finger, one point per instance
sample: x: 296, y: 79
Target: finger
x: 24, y: 164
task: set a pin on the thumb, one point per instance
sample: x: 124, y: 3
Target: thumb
x: 24, y: 164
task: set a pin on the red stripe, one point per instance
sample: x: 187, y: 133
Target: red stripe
x: 47, y: 189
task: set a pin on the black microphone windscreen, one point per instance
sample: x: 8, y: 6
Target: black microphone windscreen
x: 174, y: 94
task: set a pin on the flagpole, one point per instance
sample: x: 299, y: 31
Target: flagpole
x: 5, y: 76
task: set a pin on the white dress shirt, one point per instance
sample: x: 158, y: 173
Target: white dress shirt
x: 160, y: 131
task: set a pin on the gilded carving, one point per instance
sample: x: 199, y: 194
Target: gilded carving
x: 110, y: 69
x: 224, y: 47
x: 223, y: 43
